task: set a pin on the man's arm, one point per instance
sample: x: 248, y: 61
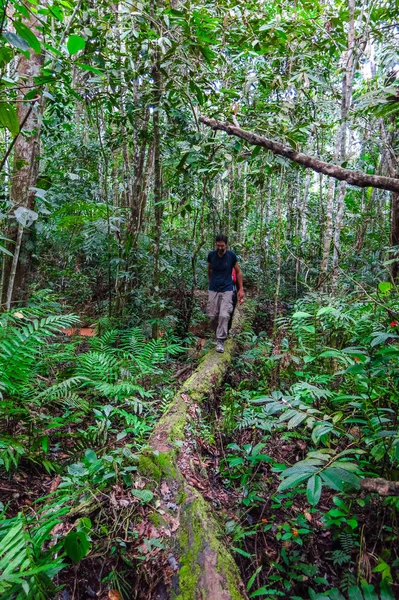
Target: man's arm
x: 240, y: 284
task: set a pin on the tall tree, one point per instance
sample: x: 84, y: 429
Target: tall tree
x: 26, y: 166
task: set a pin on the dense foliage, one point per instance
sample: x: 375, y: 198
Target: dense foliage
x: 111, y: 192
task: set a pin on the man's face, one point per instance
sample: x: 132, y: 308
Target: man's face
x: 221, y: 247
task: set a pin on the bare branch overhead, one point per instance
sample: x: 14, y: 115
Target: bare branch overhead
x: 357, y: 178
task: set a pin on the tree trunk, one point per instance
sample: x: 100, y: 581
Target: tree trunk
x: 278, y: 248
x: 328, y: 231
x: 25, y: 172
x: 204, y: 567
x: 347, y: 86
x: 395, y: 234
x: 158, y: 196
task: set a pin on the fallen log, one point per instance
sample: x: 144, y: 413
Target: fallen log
x: 380, y: 486
x: 203, y: 567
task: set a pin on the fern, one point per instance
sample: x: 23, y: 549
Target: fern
x: 347, y: 542
x: 20, y: 345
x: 26, y: 567
x: 339, y: 557
x: 348, y: 580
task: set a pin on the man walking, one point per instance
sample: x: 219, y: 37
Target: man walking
x: 221, y: 263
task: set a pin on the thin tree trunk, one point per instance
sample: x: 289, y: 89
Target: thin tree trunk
x: 266, y: 242
x: 304, y: 209
x: 14, y: 266
x: 261, y: 208
x: 395, y: 235
x: 278, y: 248
x: 158, y: 195
x: 328, y: 231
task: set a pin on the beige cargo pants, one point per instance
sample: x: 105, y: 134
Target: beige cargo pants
x: 220, y: 307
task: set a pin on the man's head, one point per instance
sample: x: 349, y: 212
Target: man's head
x: 221, y: 244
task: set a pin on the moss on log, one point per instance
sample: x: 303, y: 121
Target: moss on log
x: 208, y: 376
x: 204, y: 568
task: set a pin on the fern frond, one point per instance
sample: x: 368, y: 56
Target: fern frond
x: 98, y: 366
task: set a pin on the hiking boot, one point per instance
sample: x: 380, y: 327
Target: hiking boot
x: 220, y: 346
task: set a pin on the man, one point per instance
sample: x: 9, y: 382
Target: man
x: 221, y: 262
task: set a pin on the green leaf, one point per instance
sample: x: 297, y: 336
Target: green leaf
x: 84, y: 524
x: 242, y: 552
x: 384, y: 287
x: 324, y: 310
x: 380, y: 337
x: 28, y: 35
x: 143, y: 495
x: 8, y: 117
x: 89, y: 68
x: 233, y: 447
x: 301, y: 315
x: 234, y: 462
x: 5, y: 251
x: 255, y: 151
x: 297, y: 420
x: 313, y: 490
x: 266, y: 591
x: 330, y: 354
x: 386, y: 591
x: 336, y: 477
x: 308, y: 328
x: 293, y: 481
x: 253, y: 577
x: 75, y: 44
x: 369, y: 592
x: 354, y: 593
x: 346, y: 476
x: 56, y: 11
x: 16, y: 40
x: 6, y: 55
x: 331, y: 479
x: 90, y: 455
x: 77, y: 470
x: 335, y: 594
x: 76, y: 545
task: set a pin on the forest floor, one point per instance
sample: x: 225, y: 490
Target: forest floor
x: 276, y: 538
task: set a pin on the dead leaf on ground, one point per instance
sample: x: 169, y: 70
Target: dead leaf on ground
x: 114, y: 595
x: 165, y: 491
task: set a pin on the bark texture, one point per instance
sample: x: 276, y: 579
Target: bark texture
x: 382, y: 487
x: 205, y: 570
x: 356, y: 178
x: 25, y: 171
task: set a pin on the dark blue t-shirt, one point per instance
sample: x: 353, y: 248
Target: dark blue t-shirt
x: 222, y: 266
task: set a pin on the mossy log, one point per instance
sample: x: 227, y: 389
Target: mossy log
x: 203, y: 567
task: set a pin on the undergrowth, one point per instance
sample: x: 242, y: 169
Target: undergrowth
x: 75, y: 413
x: 310, y: 414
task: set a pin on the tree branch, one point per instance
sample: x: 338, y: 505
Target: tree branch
x: 379, y: 486
x: 357, y: 178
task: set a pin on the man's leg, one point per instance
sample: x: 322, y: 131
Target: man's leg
x: 213, y: 308
x: 226, y: 308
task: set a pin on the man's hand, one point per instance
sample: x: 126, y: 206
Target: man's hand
x: 240, y: 296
